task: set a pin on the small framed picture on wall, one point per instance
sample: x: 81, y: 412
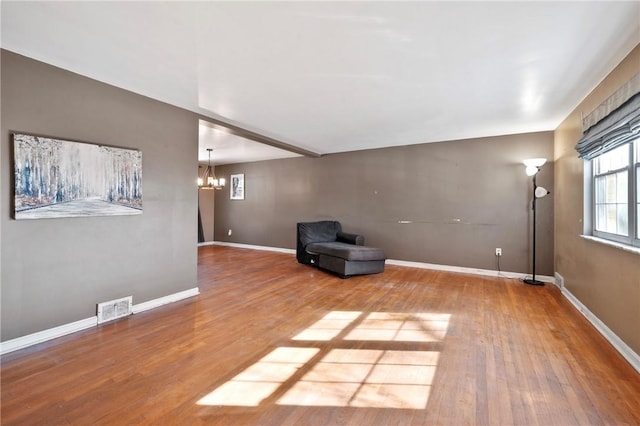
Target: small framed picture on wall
x: 237, y: 187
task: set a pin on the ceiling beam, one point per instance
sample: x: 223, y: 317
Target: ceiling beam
x: 254, y: 136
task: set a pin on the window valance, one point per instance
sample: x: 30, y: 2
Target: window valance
x: 617, y: 128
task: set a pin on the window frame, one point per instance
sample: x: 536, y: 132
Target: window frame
x: 632, y: 169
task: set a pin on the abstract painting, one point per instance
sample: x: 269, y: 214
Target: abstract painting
x: 60, y: 178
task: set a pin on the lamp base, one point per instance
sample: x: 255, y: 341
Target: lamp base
x: 533, y: 282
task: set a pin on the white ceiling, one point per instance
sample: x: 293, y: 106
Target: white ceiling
x: 340, y: 76
x: 229, y: 148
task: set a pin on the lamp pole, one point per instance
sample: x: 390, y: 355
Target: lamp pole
x: 533, y: 281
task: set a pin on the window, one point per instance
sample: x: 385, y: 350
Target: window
x: 610, y: 144
x: 637, y: 172
x: 616, y: 194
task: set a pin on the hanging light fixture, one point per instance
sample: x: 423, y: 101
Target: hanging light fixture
x: 533, y: 166
x: 208, y: 180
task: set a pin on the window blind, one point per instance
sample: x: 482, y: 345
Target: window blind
x: 619, y: 127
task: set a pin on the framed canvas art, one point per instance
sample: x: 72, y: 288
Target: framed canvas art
x: 237, y: 187
x: 61, y: 178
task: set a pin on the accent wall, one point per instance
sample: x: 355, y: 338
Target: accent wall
x: 449, y: 203
x: 55, y: 271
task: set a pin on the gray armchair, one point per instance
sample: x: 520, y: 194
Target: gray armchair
x: 324, y: 245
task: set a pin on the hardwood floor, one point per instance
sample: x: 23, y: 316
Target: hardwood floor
x: 270, y: 341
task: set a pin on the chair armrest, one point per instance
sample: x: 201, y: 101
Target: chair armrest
x: 355, y: 239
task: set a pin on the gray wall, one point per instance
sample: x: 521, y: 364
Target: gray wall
x: 465, y: 198
x: 206, y: 199
x: 54, y: 271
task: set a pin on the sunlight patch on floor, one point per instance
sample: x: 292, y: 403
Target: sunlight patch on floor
x: 401, y: 327
x: 381, y: 378
x: 260, y: 380
x: 247, y: 394
x: 329, y: 326
x: 367, y: 378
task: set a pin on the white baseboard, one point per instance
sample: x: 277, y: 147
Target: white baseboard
x: 464, y: 270
x: 628, y: 353
x: 249, y: 246
x: 559, y: 280
x: 145, y: 306
x: 43, y: 336
x: 63, y: 330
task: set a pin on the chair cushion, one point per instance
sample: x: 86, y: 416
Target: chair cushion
x: 317, y: 232
x: 346, y: 251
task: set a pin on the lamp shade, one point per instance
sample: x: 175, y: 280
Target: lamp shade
x: 534, y: 162
x: 531, y: 170
x: 540, y: 192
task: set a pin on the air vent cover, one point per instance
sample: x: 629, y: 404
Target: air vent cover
x: 114, y: 309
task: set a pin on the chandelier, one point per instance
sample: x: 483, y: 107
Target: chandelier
x: 212, y: 182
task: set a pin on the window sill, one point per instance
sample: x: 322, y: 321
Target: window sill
x: 625, y: 247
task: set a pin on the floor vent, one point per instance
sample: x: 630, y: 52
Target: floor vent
x: 114, y: 309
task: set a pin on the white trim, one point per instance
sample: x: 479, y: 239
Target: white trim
x: 621, y: 246
x: 151, y: 304
x: 624, y: 350
x: 44, y: 335
x: 559, y: 281
x: 249, y: 246
x: 207, y: 243
x: 465, y: 270
x: 63, y: 330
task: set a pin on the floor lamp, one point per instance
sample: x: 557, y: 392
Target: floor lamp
x: 533, y: 167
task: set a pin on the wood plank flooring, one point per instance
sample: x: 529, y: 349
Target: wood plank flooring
x: 270, y: 341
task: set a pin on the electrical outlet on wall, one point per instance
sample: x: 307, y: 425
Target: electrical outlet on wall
x: 230, y: 232
x: 498, y: 252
